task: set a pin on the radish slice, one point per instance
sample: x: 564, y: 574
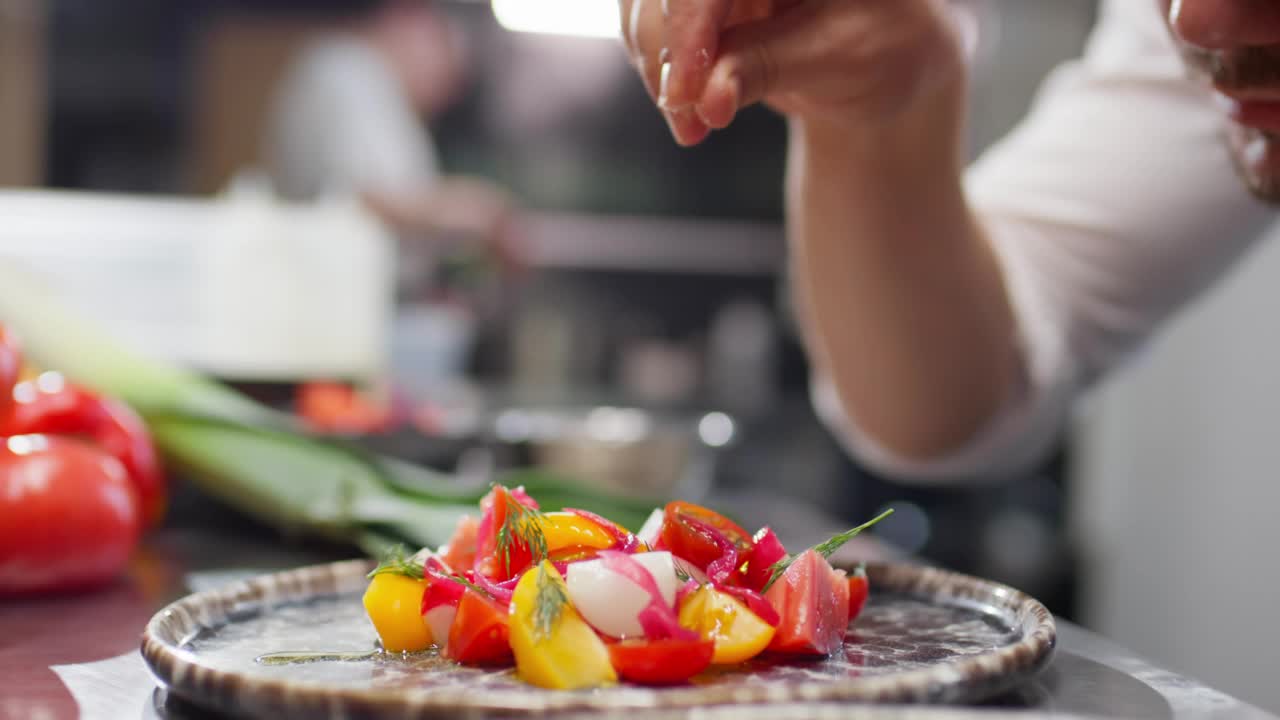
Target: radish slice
x: 439, y: 603
x: 611, y: 594
x: 658, y: 619
x: 501, y: 592
x: 439, y: 619
x: 652, y: 528
x: 441, y: 590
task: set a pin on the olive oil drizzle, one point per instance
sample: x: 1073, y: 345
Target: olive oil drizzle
x: 300, y: 658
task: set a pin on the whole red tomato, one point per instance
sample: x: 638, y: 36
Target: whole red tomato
x: 10, y: 365
x: 50, y: 405
x: 71, y: 517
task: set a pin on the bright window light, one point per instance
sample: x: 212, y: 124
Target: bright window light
x: 583, y: 18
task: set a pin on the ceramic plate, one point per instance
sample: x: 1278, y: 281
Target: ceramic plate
x: 926, y: 636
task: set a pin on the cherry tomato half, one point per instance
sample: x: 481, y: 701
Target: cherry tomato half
x: 51, y: 405
x: 10, y: 366
x: 70, y: 515
x: 479, y: 635
x: 690, y: 543
x: 660, y: 662
x: 859, y: 589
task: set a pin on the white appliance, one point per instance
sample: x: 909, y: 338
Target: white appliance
x: 240, y: 286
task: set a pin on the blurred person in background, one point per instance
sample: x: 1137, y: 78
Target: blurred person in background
x: 954, y: 314
x: 351, y: 116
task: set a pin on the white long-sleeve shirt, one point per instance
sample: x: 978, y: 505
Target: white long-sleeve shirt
x: 342, y: 123
x: 1111, y: 205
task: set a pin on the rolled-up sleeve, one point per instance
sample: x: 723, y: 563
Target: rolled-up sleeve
x: 1110, y: 206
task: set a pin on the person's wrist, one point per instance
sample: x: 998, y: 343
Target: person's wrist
x: 921, y: 108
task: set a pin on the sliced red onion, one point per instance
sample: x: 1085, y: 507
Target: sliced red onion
x: 657, y: 619
x: 755, y: 602
x: 651, y: 532
x: 724, y: 566
x: 659, y: 625
x: 501, y: 592
x: 622, y: 541
x: 437, y: 565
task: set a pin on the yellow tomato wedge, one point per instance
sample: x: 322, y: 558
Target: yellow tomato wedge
x: 554, y: 647
x: 738, y: 633
x: 566, y: 530
x: 394, y: 604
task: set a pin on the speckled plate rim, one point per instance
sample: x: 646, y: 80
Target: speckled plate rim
x: 966, y: 679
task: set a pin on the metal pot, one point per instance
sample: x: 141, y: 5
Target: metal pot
x: 624, y: 449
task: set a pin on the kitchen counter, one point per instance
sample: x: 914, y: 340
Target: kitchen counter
x: 77, y: 656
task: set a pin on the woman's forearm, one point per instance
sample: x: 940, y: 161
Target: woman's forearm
x: 907, y: 313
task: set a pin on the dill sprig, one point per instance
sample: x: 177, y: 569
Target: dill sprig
x: 825, y: 549
x: 521, y: 527
x: 681, y: 575
x: 471, y: 586
x: 548, y: 604
x: 397, y: 562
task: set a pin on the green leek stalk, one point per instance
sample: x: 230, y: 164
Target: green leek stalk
x: 259, y: 461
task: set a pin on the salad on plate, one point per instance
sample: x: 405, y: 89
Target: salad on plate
x: 573, y: 600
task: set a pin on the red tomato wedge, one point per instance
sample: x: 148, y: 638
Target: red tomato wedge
x: 767, y: 549
x: 660, y: 662
x: 813, y: 601
x: 478, y: 635
x: 689, y: 541
x: 859, y: 589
